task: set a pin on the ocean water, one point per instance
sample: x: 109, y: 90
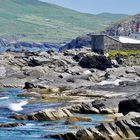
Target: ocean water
x: 26, y: 49
x: 11, y: 104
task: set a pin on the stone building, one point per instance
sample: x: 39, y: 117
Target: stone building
x: 103, y: 43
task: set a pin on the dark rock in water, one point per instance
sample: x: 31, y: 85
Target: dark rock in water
x: 127, y: 106
x: 7, y: 125
x: 95, y: 61
x: 29, y: 85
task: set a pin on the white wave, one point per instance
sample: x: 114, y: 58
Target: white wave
x: 17, y: 106
x: 4, y: 98
x: 116, y: 82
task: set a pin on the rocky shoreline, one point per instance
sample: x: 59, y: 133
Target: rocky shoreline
x: 86, y: 82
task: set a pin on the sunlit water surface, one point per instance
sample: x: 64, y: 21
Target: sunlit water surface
x: 10, y: 104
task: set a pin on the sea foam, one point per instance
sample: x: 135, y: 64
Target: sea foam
x: 4, y: 98
x: 17, y: 106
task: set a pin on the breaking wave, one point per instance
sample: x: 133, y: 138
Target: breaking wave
x: 17, y: 106
x: 4, y: 98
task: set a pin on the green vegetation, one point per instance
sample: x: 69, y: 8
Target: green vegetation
x: 124, y: 53
x: 32, y: 20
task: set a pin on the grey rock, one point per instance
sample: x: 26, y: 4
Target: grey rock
x: 2, y: 72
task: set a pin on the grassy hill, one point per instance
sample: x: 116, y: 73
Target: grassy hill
x: 33, y: 20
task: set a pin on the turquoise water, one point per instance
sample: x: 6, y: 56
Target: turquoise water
x: 10, y: 104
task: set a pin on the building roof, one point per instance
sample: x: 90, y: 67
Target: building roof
x: 121, y: 39
x: 128, y: 40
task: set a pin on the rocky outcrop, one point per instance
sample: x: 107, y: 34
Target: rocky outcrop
x: 118, y: 130
x: 79, y: 42
x: 125, y: 27
x: 7, y: 125
x: 95, y: 107
x: 52, y: 115
x: 45, y: 115
x: 95, y: 61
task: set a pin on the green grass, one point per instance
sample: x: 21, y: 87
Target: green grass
x: 125, y: 53
x: 32, y: 20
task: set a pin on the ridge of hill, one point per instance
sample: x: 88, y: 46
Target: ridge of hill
x: 33, y: 20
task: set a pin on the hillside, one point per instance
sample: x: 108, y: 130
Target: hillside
x: 126, y: 27
x: 38, y: 21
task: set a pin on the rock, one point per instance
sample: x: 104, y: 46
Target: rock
x: 74, y: 119
x: 106, y: 111
x: 7, y: 125
x: 95, y: 61
x: 84, y: 134
x: 127, y: 83
x: 126, y: 27
x: 88, y: 109
x: 67, y: 136
x: 96, y: 134
x: 122, y: 129
x: 78, y: 43
x: 34, y: 62
x: 29, y: 85
x: 137, y: 70
x: 35, y: 74
x: 130, y: 70
x: 87, y: 72
x: 132, y: 115
x: 46, y: 115
x: 84, y: 108
x: 30, y: 94
x: 95, y: 107
x: 2, y: 72
x: 127, y: 106
x: 64, y: 75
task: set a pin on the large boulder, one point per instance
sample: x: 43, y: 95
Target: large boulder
x: 95, y: 61
x: 127, y: 106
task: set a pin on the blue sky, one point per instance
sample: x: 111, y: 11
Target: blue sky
x: 99, y: 6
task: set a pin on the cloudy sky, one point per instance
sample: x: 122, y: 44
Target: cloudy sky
x: 99, y: 6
